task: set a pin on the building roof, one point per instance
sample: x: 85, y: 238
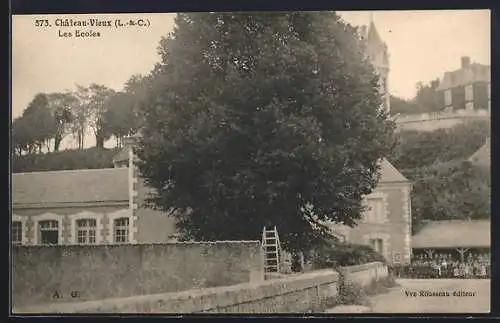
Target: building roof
x: 453, y: 234
x: 473, y: 73
x: 75, y: 186
x: 482, y: 157
x: 373, y: 36
x: 389, y: 173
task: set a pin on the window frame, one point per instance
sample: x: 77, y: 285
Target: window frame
x: 386, y: 241
x: 378, y: 198
x: 20, y: 241
x: 90, y: 227
x: 86, y: 215
x: 47, y: 217
x: 123, y: 213
x: 56, y: 228
x: 125, y: 228
x: 24, y: 228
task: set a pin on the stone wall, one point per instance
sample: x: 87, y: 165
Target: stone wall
x: 296, y: 293
x: 366, y: 273
x: 110, y: 271
x: 438, y: 120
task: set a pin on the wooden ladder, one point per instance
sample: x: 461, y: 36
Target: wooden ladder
x: 271, y: 247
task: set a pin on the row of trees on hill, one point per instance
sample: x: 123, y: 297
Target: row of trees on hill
x: 51, y: 117
x: 427, y: 99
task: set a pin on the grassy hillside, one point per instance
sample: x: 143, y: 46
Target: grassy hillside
x: 90, y: 158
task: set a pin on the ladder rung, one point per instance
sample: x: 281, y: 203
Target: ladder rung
x: 270, y: 252
x: 272, y: 259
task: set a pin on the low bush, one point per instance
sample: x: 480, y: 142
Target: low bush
x: 342, y: 254
x: 351, y: 293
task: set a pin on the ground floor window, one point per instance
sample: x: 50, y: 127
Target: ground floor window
x: 86, y: 231
x: 17, y: 232
x: 49, y: 232
x: 121, y: 230
x: 377, y: 245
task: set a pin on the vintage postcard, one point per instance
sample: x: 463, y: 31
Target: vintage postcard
x: 251, y: 162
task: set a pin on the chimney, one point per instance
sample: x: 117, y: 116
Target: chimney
x: 465, y: 61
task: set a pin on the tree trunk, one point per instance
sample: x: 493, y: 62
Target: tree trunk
x: 99, y: 140
x: 81, y: 137
x: 57, y: 142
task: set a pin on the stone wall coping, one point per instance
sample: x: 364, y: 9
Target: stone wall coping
x: 113, y: 245
x: 353, y: 269
x: 441, y: 115
x: 192, y: 301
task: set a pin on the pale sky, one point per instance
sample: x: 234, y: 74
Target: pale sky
x: 422, y: 46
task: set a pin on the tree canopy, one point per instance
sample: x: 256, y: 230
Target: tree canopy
x: 51, y: 117
x: 445, y: 185
x: 263, y: 119
x: 427, y: 99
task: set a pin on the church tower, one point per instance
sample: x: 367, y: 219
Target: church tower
x: 378, y: 54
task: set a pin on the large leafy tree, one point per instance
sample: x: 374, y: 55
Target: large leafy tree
x: 39, y: 123
x: 22, y: 136
x: 62, y: 105
x: 95, y: 100
x: 450, y: 190
x: 260, y: 120
x: 423, y: 148
x: 120, y: 119
x: 445, y: 186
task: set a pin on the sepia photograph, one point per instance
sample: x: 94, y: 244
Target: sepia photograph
x: 305, y: 162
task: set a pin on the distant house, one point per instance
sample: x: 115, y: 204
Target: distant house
x: 386, y: 224
x: 455, y: 237
x: 482, y: 157
x: 89, y: 206
x: 466, y: 88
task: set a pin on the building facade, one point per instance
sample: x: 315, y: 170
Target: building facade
x: 90, y: 206
x: 386, y: 222
x: 467, y: 88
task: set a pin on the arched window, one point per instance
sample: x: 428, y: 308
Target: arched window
x: 86, y: 227
x: 86, y: 231
x: 49, y: 232
x: 121, y: 230
x: 48, y: 229
x: 121, y: 227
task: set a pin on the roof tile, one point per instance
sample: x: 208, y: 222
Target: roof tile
x: 453, y: 234
x: 75, y: 186
x: 389, y: 173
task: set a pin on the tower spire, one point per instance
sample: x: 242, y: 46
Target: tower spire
x: 371, y: 17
